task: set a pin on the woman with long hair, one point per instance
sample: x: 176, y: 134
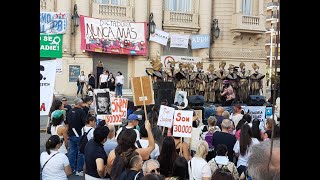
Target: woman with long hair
x: 126, y: 142
x: 56, y: 105
x: 111, y: 82
x: 256, y: 133
x: 54, y: 165
x: 133, y: 166
x: 58, y: 128
x: 185, y: 148
x: 242, y: 147
x: 167, y: 156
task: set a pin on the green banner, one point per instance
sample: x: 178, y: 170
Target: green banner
x: 51, y: 45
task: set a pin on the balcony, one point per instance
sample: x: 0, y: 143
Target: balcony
x: 181, y: 21
x: 272, y: 18
x: 268, y: 43
x: 47, y: 5
x: 115, y: 12
x: 273, y: 6
x: 248, y: 24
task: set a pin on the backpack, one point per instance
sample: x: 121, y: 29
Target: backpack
x: 83, y: 141
x: 209, y: 138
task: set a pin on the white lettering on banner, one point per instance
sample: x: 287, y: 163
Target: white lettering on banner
x: 47, y: 80
x: 257, y: 112
x: 182, y: 124
x: 165, y: 116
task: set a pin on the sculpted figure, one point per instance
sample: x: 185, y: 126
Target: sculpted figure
x: 218, y: 86
x: 243, y: 83
x: 256, y: 83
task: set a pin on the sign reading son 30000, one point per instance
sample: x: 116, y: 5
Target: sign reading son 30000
x: 182, y: 124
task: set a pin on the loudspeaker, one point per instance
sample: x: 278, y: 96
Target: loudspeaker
x: 195, y: 100
x: 256, y: 100
x: 163, y: 90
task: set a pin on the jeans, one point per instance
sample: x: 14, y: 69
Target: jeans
x: 119, y: 90
x: 80, y: 88
x: 75, y: 157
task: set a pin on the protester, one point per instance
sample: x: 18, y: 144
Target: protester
x: 258, y: 166
x: 59, y: 129
x: 95, y: 156
x: 92, y: 80
x: 228, y: 93
x: 99, y: 70
x: 144, y: 143
x: 256, y: 133
x: 182, y: 148
x: 226, y: 115
x: 140, y: 113
x: 236, y: 116
x: 219, y: 116
x: 151, y: 166
x: 81, y: 80
x: 180, y: 168
x: 221, y: 161
x: 238, y: 127
x: 126, y: 142
x: 111, y: 82
x: 133, y: 166
x: 103, y: 79
x: 242, y: 147
x: 119, y: 84
x: 90, y: 91
x: 198, y: 167
x: 76, y: 119
x: 133, y: 121
x: 56, y: 104
x: 195, y: 120
x: 271, y: 122
x: 111, y: 143
x: 89, y: 127
x: 54, y: 165
x: 66, y: 106
x: 224, y: 137
x: 167, y: 156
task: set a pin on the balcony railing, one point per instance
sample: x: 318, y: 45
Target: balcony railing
x: 181, y: 20
x: 272, y: 4
x: 272, y: 16
x: 245, y: 23
x: 109, y: 11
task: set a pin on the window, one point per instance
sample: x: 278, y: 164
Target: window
x: 246, y: 7
x: 178, y: 5
x: 113, y: 2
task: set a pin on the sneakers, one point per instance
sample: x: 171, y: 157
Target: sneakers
x: 79, y: 173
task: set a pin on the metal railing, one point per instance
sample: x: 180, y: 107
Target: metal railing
x: 109, y: 11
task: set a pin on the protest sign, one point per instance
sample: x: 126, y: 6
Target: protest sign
x: 142, y: 90
x: 182, y: 124
x: 165, y: 116
x: 119, y: 111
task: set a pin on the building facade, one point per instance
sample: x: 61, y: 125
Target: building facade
x: 241, y: 39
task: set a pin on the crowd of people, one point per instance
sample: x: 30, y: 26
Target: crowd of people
x: 230, y: 146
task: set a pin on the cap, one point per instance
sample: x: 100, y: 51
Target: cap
x: 132, y: 117
x: 57, y: 113
x: 77, y: 101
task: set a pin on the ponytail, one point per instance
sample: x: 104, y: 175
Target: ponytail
x: 52, y: 143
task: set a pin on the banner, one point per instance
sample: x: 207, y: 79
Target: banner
x: 160, y: 37
x: 165, y: 118
x: 146, y: 85
x: 257, y: 112
x: 179, y: 59
x: 179, y: 41
x: 58, y: 66
x: 200, y: 41
x: 118, y: 110
x: 51, y: 45
x: 53, y: 22
x: 182, y: 123
x: 47, y: 79
x: 102, y: 98
x: 113, y: 36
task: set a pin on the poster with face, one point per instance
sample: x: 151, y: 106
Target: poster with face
x: 102, y: 98
x: 181, y: 99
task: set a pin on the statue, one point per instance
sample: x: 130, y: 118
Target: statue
x: 156, y: 71
x: 191, y: 76
x: 209, y: 95
x: 218, y: 86
x: 181, y: 78
x: 256, y: 83
x: 233, y: 79
x: 200, y: 79
x: 243, y: 83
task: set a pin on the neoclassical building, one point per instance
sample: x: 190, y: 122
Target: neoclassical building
x: 241, y: 37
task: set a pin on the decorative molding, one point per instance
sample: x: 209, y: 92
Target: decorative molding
x: 239, y: 54
x: 235, y: 36
x: 257, y: 37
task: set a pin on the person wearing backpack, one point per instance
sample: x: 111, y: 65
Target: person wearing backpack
x: 87, y: 132
x: 133, y: 121
x: 221, y: 161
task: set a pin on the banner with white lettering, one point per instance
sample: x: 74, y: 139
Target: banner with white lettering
x: 182, y: 123
x: 165, y: 118
x: 160, y: 37
x: 200, y: 41
x: 119, y: 111
x: 179, y: 41
x: 165, y: 60
x: 47, y: 79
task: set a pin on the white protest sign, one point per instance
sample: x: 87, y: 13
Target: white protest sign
x: 179, y: 41
x: 195, y: 138
x: 257, y: 112
x: 182, y: 123
x: 165, y: 116
x: 47, y: 79
x: 119, y: 111
x: 160, y: 37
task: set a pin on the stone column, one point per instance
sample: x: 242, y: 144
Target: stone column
x: 156, y: 9
x: 64, y: 6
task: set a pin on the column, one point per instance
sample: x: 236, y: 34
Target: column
x: 156, y: 9
x: 83, y: 9
x: 64, y: 6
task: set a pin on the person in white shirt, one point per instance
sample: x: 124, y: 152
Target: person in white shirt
x: 103, y: 79
x: 90, y: 124
x: 133, y: 121
x: 119, y: 84
x: 81, y: 80
x: 198, y: 167
x: 144, y: 143
x: 242, y: 148
x: 236, y: 116
x: 54, y: 165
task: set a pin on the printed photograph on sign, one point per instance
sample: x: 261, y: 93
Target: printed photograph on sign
x: 74, y: 72
x: 180, y: 99
x: 102, y: 98
x: 182, y: 123
x: 165, y: 117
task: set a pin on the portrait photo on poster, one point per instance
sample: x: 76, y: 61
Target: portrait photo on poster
x: 103, y: 104
x: 181, y: 99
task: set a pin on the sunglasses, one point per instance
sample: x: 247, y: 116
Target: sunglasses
x: 63, y: 100
x: 155, y: 170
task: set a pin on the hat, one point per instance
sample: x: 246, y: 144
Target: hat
x: 132, y: 117
x: 225, y: 82
x: 57, y: 114
x: 77, y: 101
